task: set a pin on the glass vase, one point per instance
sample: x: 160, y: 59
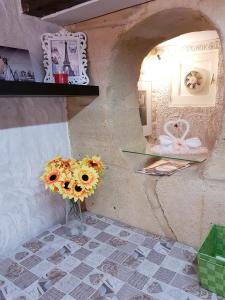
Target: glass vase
x: 74, y: 217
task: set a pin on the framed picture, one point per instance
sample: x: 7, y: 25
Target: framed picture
x: 15, y: 65
x: 194, y: 79
x: 65, y: 53
x: 145, y: 107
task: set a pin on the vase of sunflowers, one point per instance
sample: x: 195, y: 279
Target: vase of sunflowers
x: 74, y: 180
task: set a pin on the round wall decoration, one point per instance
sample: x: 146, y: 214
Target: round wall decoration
x: 194, y: 81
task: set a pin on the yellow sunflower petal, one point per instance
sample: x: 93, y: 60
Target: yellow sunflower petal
x: 51, y: 179
x: 94, y: 162
x: 86, y: 177
x: 54, y: 163
x: 65, y: 189
x: 79, y: 193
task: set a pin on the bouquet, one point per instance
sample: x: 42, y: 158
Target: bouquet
x: 73, y: 179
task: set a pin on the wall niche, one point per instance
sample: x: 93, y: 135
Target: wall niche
x: 183, y: 78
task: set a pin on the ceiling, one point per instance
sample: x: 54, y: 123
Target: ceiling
x: 67, y: 12
x: 41, y: 8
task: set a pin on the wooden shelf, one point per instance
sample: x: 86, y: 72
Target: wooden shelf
x: 21, y: 88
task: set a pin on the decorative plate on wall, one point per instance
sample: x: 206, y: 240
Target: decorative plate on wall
x: 195, y: 81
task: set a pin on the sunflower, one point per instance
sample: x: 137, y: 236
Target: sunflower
x: 69, y: 164
x: 54, y: 163
x: 79, y: 193
x: 74, y: 163
x: 66, y: 165
x: 91, y: 191
x: 65, y: 190
x: 71, y: 178
x: 94, y: 162
x: 52, y: 179
x: 86, y: 177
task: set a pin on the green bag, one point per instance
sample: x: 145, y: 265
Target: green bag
x: 211, y: 265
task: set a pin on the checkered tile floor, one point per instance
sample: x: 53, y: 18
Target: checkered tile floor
x: 110, y: 260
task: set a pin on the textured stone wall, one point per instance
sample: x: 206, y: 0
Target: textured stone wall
x: 32, y: 130
x: 184, y: 205
x: 198, y: 117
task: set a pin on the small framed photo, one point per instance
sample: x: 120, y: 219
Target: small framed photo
x: 144, y: 101
x: 15, y: 65
x: 65, y: 53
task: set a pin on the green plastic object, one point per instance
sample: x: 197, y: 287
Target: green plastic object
x: 211, y: 265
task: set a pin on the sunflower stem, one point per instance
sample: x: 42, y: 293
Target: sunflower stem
x: 71, y: 208
x: 80, y: 213
x: 76, y: 209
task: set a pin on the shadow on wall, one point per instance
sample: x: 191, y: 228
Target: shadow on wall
x: 76, y: 104
x: 20, y: 112
x: 24, y: 111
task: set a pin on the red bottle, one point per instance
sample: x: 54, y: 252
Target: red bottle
x: 61, y: 78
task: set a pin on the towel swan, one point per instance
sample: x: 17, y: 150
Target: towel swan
x: 170, y: 144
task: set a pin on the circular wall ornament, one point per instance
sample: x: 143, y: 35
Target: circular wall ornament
x: 194, y: 81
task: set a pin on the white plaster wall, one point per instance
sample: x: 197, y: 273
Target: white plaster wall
x: 32, y: 130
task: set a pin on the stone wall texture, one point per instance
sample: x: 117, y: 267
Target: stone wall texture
x: 184, y: 205
x: 198, y: 117
x: 32, y: 130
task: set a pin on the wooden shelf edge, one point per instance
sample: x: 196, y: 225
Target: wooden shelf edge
x: 37, y: 89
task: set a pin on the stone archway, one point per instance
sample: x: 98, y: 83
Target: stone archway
x: 130, y: 51
x: 180, y: 206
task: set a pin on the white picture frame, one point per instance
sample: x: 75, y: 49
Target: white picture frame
x: 145, y: 106
x: 65, y: 52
